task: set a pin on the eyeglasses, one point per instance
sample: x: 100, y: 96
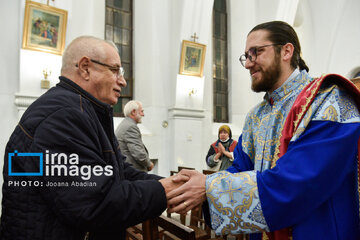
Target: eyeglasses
x: 118, y: 71
x: 251, y: 54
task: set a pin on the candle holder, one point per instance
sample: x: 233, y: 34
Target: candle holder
x: 45, y: 83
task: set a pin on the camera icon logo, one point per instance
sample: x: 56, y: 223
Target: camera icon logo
x: 17, y: 154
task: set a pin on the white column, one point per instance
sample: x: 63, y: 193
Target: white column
x: 287, y: 11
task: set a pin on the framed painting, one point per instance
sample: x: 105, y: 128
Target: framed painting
x: 44, y: 28
x: 192, y: 58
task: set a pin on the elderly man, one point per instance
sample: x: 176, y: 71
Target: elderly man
x: 129, y: 137
x: 295, y: 168
x: 64, y: 177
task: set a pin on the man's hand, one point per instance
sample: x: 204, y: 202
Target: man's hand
x: 151, y: 166
x: 170, y: 185
x: 190, y: 194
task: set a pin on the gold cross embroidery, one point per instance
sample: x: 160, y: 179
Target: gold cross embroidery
x: 230, y: 191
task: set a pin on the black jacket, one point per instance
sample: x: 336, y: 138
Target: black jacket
x: 64, y: 123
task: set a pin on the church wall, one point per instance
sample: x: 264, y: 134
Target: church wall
x: 9, y: 71
x: 329, y: 37
x: 341, y: 39
x: 242, y: 17
x: 79, y: 23
x: 159, y: 28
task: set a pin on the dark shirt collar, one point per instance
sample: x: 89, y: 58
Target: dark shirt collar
x: 72, y: 86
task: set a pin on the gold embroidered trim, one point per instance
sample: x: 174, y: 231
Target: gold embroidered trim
x: 264, y: 236
x: 213, y: 194
x: 277, y: 149
x: 296, y: 122
x: 304, y: 107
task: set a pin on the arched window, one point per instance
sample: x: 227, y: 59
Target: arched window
x: 220, y: 62
x: 118, y: 28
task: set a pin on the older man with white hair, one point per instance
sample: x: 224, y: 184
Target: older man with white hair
x: 129, y: 137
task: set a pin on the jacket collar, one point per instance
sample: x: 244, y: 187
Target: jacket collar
x: 131, y: 120
x: 70, y: 85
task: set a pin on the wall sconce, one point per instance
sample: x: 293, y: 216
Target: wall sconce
x: 45, y: 83
x: 192, y: 92
x: 165, y: 124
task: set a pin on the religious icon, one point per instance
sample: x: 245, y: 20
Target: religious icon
x: 44, y: 28
x: 192, y: 58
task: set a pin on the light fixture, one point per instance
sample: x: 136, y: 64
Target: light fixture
x: 192, y: 92
x: 45, y: 83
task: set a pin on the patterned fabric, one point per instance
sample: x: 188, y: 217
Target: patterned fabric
x: 260, y: 140
x: 234, y: 197
x: 332, y: 104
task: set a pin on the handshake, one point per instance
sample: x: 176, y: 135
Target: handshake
x: 184, y: 191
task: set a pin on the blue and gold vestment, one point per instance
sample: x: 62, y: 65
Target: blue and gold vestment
x: 313, y: 187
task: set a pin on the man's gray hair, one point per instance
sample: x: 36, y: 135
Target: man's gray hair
x: 89, y: 46
x: 130, y: 106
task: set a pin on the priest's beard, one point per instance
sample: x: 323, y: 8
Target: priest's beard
x: 269, y: 78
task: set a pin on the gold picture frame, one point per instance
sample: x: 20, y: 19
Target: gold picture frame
x: 44, y: 28
x: 192, y: 58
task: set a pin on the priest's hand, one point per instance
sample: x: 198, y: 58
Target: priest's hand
x: 189, y: 195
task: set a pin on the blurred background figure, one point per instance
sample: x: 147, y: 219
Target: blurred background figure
x: 129, y: 137
x: 220, y: 155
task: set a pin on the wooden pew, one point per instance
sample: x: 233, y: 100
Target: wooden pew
x: 162, y: 228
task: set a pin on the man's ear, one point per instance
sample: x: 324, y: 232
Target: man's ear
x: 288, y: 51
x: 133, y: 112
x: 83, y: 67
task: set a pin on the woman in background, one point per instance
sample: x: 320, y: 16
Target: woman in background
x: 220, y: 155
